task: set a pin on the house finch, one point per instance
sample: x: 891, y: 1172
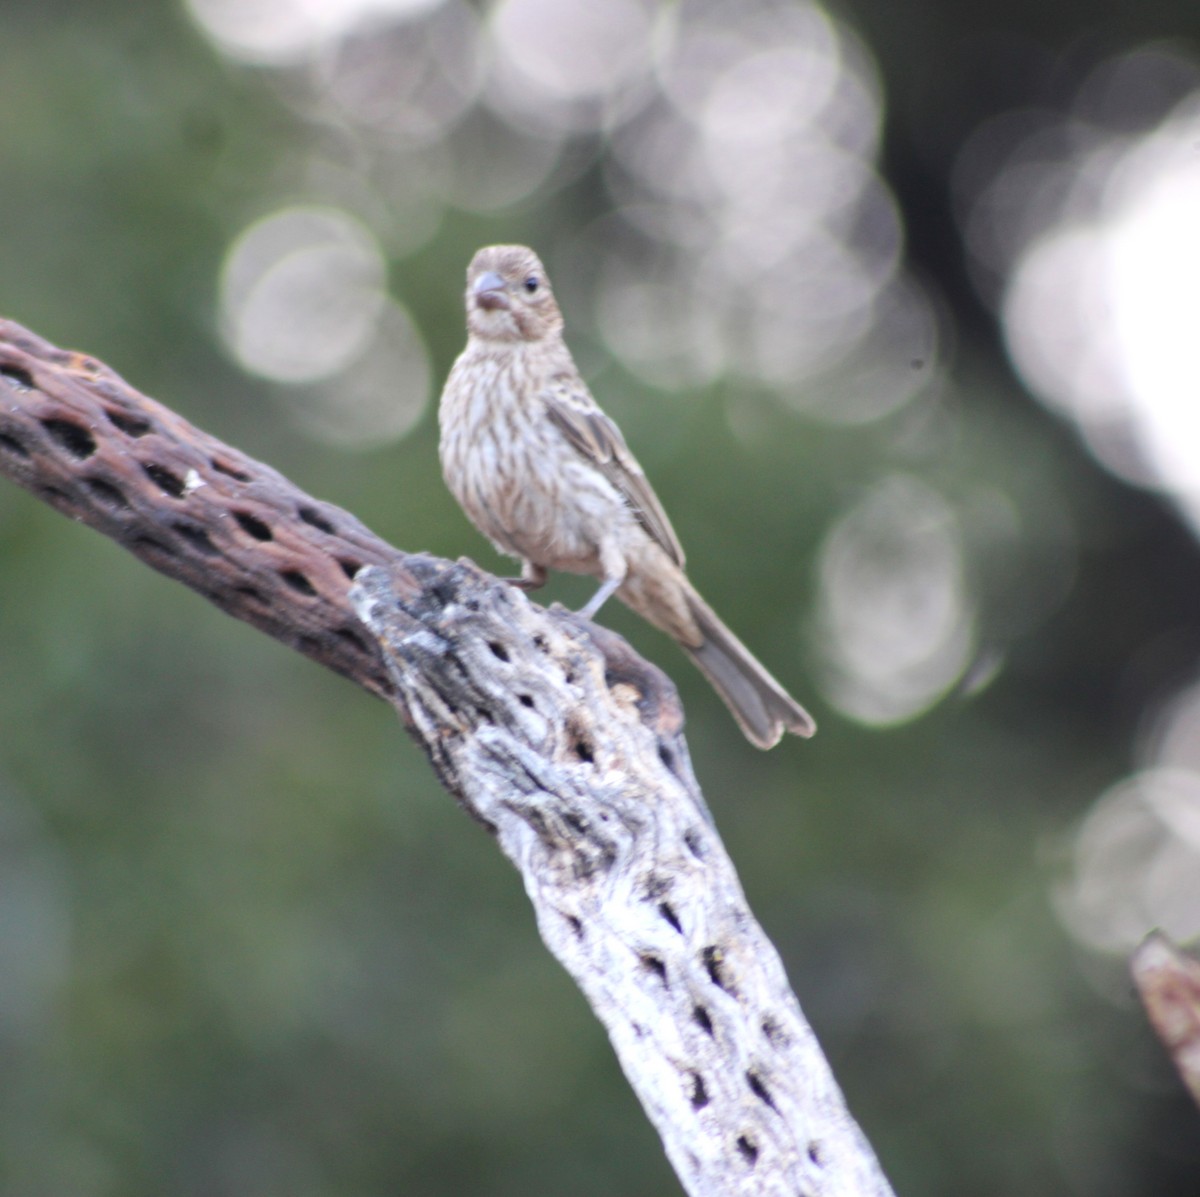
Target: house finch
x: 547, y: 477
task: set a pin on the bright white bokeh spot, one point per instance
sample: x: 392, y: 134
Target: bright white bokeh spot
x: 301, y: 294
x: 1174, y: 741
x: 569, y: 64
x: 410, y: 80
x: 1058, y: 319
x: 894, y: 621
x: 572, y: 48
x: 1096, y: 238
x: 737, y: 146
x: 286, y: 32
x: 1135, y: 863
x: 1154, y: 267
x: 766, y: 95
x: 379, y: 398
x: 666, y: 338
x: 1090, y: 224
x: 753, y: 172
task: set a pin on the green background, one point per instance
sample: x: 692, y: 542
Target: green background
x: 247, y: 946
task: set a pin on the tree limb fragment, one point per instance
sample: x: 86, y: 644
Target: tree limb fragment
x: 79, y: 437
x: 1168, y: 982
x: 632, y: 887
x: 548, y: 729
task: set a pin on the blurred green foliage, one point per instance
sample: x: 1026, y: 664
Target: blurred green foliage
x: 248, y: 947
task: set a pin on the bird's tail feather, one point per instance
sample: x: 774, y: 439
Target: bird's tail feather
x: 763, y: 709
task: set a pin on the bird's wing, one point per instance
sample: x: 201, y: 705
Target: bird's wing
x: 599, y: 440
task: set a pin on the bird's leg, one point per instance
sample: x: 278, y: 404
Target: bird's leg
x: 533, y: 577
x: 613, y: 563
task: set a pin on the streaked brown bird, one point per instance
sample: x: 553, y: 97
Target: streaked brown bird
x: 547, y: 477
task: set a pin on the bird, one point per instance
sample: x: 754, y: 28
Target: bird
x: 547, y: 477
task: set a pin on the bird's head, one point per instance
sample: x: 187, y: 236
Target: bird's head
x: 509, y: 296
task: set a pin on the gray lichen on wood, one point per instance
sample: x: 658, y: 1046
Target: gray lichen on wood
x: 598, y: 808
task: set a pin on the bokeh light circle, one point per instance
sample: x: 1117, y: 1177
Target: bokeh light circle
x: 301, y: 293
x: 895, y: 623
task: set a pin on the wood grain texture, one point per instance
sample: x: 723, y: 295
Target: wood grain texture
x: 597, y: 806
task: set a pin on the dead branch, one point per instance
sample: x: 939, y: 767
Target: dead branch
x: 549, y: 730
x: 78, y: 436
x: 1169, y: 984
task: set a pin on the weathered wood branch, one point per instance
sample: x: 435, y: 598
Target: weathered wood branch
x: 1169, y: 984
x: 549, y: 730
x: 526, y: 722
x: 78, y: 436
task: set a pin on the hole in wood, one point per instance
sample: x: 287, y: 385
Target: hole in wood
x: 575, y: 925
x: 444, y: 591
x: 352, y: 638
x: 55, y: 495
x: 168, y: 483
x: 17, y: 378
x: 298, y: 582
x: 759, y: 1089
x: 774, y: 1033
x: 814, y: 1153
x: 656, y: 886
x: 668, y: 913
x: 539, y: 642
x: 147, y: 545
x: 108, y: 494
x: 714, y: 964
x: 10, y: 444
x: 71, y: 436
x: 312, y: 517
x: 197, y: 538
x: 666, y: 756
x: 694, y: 842
x: 253, y: 526
x: 699, y: 1092
x: 349, y: 567
x: 654, y: 964
x: 583, y: 750
x: 498, y: 650
x: 748, y: 1149
x: 223, y: 467
x: 526, y: 700
x: 133, y: 426
x: 702, y: 1019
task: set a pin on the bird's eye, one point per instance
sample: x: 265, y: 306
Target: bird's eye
x: 532, y: 283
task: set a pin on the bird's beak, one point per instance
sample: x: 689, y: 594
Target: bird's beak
x: 490, y: 291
